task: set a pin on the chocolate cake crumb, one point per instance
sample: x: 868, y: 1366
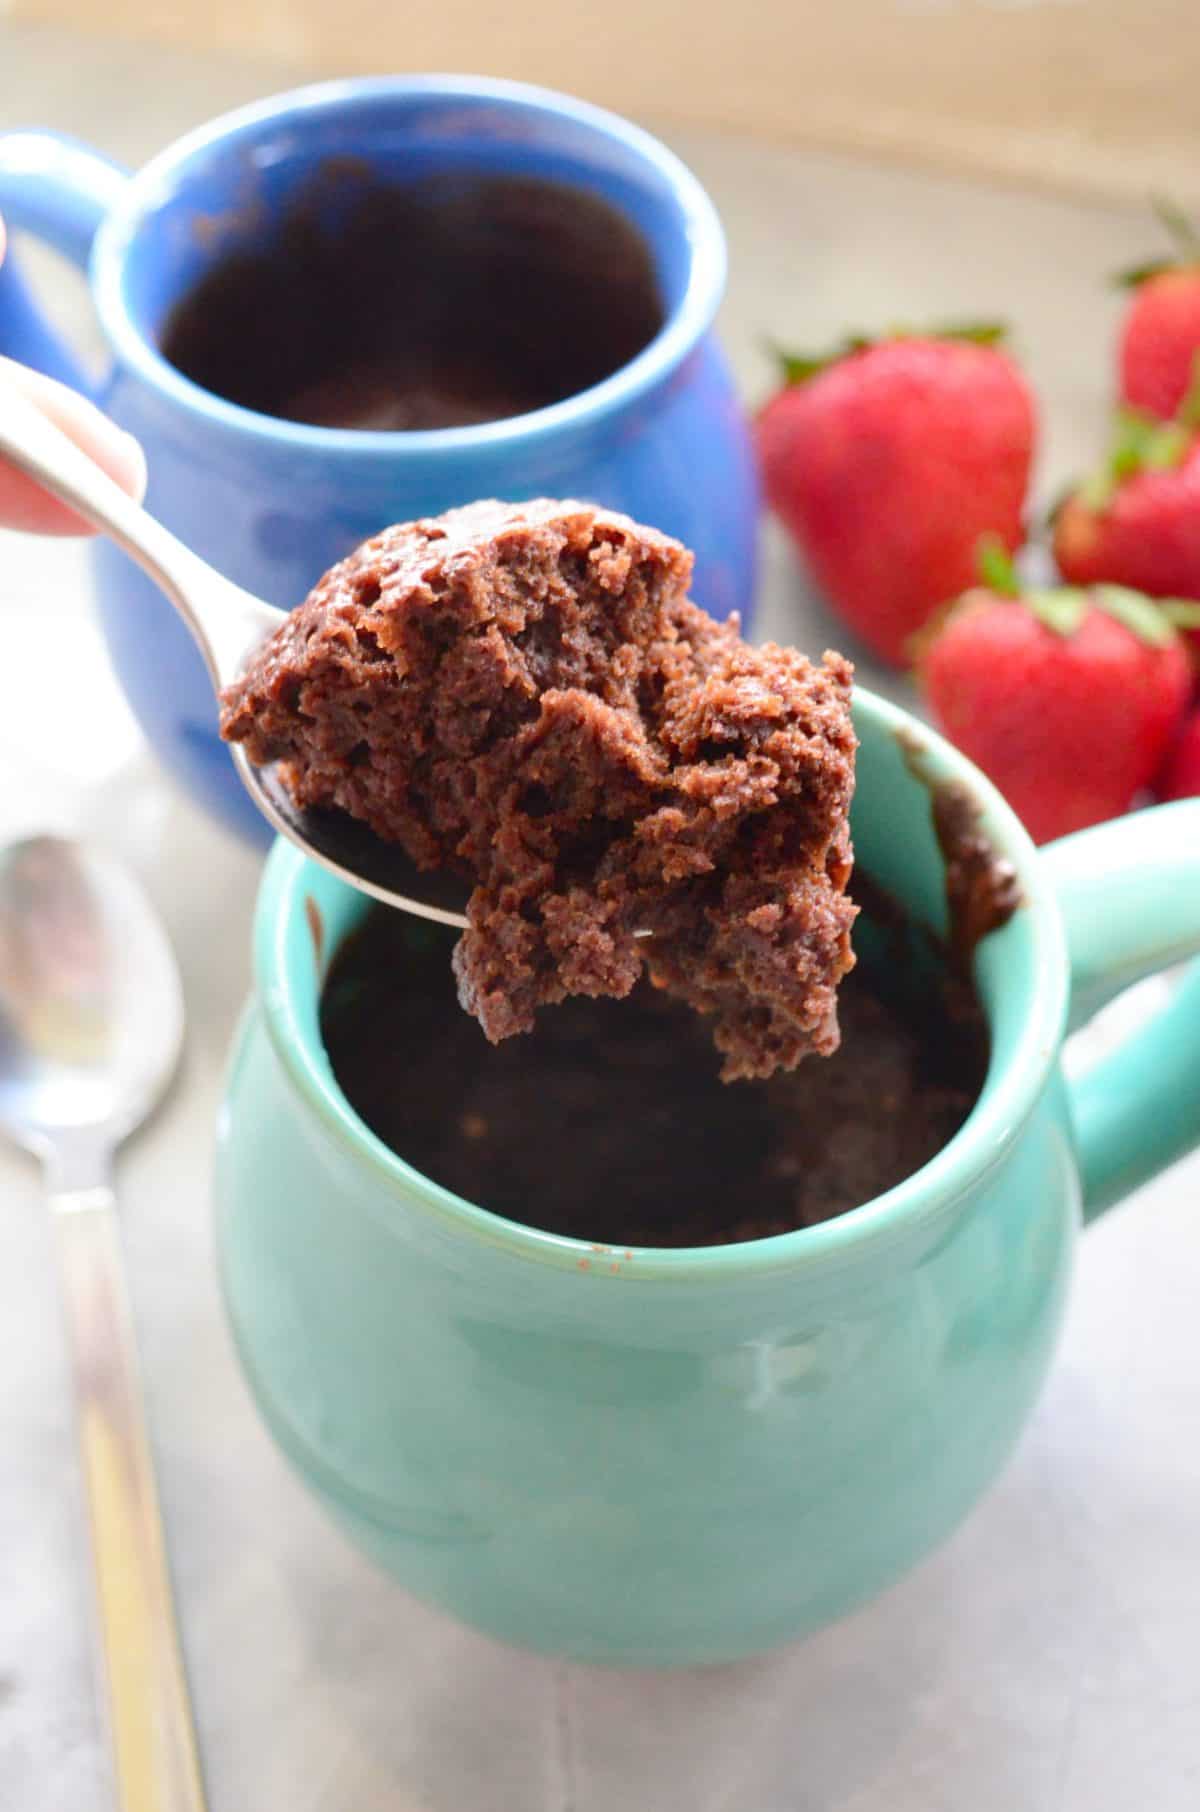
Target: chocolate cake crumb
x: 525, y: 694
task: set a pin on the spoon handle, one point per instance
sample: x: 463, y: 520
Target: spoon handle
x: 153, y: 1742
x: 224, y: 619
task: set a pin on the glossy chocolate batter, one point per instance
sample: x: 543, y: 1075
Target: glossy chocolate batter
x: 434, y: 305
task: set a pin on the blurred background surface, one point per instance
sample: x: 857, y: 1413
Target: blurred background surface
x: 1097, y: 96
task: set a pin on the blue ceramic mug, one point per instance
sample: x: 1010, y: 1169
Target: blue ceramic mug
x: 273, y: 503
x: 685, y: 1456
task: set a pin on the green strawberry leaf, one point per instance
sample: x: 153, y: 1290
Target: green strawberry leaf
x: 1097, y: 491
x: 1059, y: 502
x: 972, y: 333
x: 996, y: 568
x: 799, y: 367
x: 975, y: 333
x: 1140, y: 443
x: 1181, y: 613
x: 1137, y: 274
x: 1061, y: 610
x: 1165, y: 450
x: 1188, y: 411
x: 1139, y: 614
x: 1181, y: 229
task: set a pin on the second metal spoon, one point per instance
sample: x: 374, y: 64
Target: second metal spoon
x: 91, y: 1023
x: 228, y: 625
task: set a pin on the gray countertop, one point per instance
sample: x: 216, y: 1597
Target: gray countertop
x: 1044, y: 1661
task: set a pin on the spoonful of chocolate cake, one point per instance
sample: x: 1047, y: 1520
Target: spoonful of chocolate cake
x: 523, y: 695
x: 519, y: 704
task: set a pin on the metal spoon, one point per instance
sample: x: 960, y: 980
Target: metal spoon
x: 228, y: 625
x: 91, y: 1021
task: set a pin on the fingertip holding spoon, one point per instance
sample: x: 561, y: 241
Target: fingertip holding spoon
x: 228, y: 625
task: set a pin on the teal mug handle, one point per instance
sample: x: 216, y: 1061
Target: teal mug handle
x: 59, y: 190
x: 1129, y: 892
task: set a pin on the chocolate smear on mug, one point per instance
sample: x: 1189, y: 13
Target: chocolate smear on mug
x: 316, y: 928
x: 982, y: 891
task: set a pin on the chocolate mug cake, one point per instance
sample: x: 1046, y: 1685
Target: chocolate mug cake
x: 646, y: 807
x: 609, y: 1122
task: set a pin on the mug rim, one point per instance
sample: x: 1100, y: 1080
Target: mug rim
x: 681, y: 331
x: 979, y: 1144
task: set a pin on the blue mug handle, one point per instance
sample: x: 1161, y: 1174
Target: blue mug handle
x: 1129, y: 893
x: 60, y: 190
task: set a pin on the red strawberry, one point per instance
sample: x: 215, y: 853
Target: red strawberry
x: 1067, y: 699
x: 1180, y: 777
x: 1137, y: 522
x: 889, y: 461
x: 1160, y: 339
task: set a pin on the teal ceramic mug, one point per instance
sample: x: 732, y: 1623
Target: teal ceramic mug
x: 686, y: 1456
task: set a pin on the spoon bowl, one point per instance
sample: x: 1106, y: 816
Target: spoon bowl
x: 91, y: 1010
x: 346, y: 847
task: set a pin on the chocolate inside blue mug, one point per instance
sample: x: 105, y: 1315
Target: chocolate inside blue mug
x: 439, y: 301
x: 647, y: 421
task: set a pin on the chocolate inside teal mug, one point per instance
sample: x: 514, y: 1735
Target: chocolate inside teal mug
x: 273, y: 503
x: 691, y: 1455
